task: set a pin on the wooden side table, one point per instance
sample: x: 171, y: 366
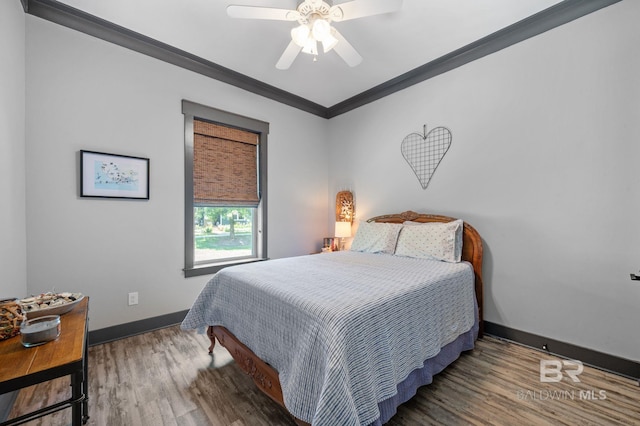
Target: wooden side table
x: 21, y: 367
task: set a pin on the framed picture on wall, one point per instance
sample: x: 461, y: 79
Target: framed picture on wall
x: 113, y: 176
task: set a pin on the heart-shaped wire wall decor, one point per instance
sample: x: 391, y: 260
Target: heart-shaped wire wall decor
x: 425, y: 151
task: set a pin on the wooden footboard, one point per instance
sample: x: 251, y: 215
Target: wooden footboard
x: 263, y: 375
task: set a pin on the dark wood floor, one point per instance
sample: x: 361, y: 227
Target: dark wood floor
x: 166, y: 377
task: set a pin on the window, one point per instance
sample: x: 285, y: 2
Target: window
x: 225, y: 189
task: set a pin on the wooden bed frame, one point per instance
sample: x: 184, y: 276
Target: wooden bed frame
x: 266, y: 377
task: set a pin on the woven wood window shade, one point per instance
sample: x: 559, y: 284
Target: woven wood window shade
x: 225, y: 166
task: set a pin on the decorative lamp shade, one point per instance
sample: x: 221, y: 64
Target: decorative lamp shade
x: 300, y: 35
x: 345, y: 208
x: 329, y: 43
x: 320, y: 29
x: 343, y: 229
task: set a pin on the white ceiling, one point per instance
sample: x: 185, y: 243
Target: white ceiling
x: 391, y: 44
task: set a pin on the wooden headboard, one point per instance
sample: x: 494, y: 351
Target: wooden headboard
x: 471, y: 246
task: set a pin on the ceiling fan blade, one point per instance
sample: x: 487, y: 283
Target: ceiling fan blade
x: 360, y: 8
x: 345, y: 50
x: 254, y: 12
x: 288, y: 56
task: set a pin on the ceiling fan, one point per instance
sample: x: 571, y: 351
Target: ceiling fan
x: 315, y: 18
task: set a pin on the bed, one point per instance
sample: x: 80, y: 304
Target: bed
x: 346, y: 337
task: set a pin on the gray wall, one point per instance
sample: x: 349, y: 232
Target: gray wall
x: 544, y: 163
x: 84, y: 93
x: 13, y: 270
x: 13, y: 255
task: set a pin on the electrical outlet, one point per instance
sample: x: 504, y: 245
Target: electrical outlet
x: 133, y: 298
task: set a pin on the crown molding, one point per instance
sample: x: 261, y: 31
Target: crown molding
x: 545, y: 20
x: 73, y: 18
x: 555, y: 16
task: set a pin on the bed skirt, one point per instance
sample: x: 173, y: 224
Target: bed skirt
x: 424, y: 376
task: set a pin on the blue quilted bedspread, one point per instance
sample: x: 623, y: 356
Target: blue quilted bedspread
x: 343, y: 328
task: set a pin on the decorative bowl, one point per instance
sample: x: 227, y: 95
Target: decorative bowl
x: 60, y: 309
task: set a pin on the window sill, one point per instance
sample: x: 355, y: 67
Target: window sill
x: 212, y: 268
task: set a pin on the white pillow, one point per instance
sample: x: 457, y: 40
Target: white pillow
x: 434, y: 240
x: 372, y: 237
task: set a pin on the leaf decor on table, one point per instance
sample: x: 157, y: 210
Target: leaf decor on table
x: 425, y: 151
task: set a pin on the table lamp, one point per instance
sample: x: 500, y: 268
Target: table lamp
x: 343, y: 230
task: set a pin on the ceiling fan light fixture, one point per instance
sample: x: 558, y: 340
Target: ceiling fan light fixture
x: 314, y: 18
x: 321, y: 29
x: 329, y: 43
x: 300, y: 35
x: 307, y: 36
